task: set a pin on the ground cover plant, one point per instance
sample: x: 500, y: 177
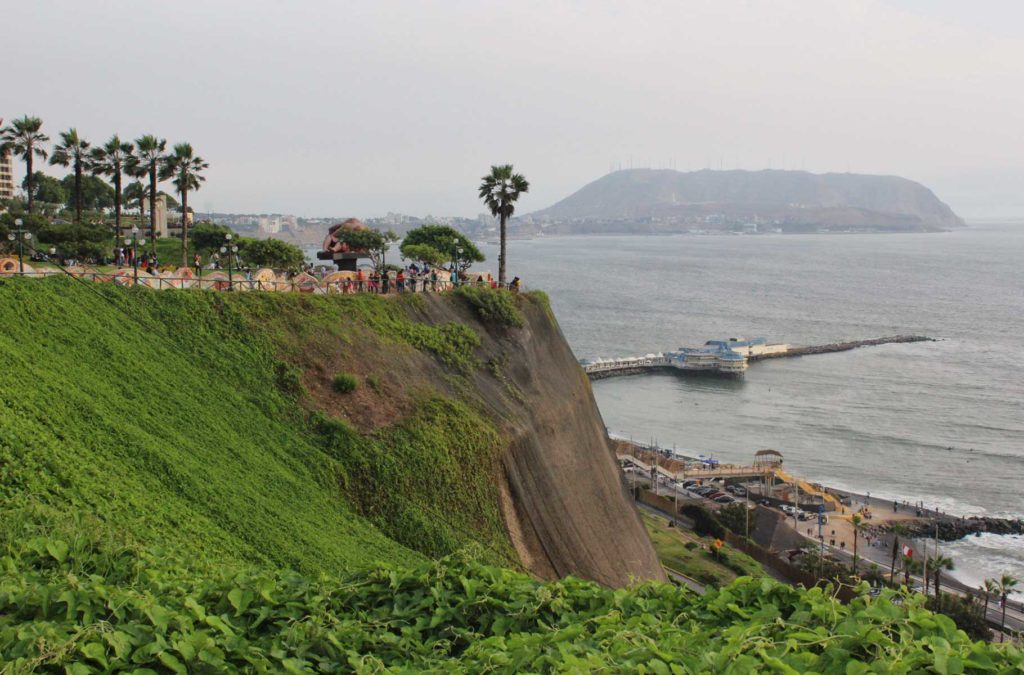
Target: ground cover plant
x: 82, y: 607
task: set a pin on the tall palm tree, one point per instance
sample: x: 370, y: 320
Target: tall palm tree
x: 147, y: 161
x: 898, y: 530
x: 1007, y: 584
x: 111, y: 159
x: 856, y: 520
x: 24, y: 138
x: 73, y: 150
x: 937, y: 564
x: 500, y: 190
x: 183, y: 167
x: 991, y: 589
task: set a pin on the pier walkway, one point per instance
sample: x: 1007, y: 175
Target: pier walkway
x: 637, y: 365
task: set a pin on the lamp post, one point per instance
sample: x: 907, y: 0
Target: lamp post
x: 135, y: 242
x: 22, y: 236
x: 230, y: 250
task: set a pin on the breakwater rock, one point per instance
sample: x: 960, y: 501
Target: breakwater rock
x: 952, y: 529
x: 842, y: 346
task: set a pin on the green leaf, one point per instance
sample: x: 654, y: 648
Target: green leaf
x: 57, y: 549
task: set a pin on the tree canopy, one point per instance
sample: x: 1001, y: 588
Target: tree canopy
x: 272, y: 253
x: 47, y: 189
x: 96, y: 193
x: 374, y: 242
x: 438, y: 245
x: 207, y: 236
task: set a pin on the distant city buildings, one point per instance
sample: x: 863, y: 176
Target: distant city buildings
x: 6, y: 176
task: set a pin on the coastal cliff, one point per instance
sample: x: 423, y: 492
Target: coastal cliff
x: 214, y: 425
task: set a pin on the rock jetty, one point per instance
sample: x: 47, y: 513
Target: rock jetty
x: 952, y: 529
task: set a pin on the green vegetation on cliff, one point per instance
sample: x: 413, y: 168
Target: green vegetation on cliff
x: 182, y: 489
x: 172, y: 418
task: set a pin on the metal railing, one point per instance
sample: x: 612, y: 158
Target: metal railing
x: 218, y: 281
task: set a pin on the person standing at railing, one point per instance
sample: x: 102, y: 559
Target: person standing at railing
x: 400, y: 282
x: 197, y: 262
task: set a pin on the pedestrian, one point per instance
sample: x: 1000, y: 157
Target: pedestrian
x: 197, y: 262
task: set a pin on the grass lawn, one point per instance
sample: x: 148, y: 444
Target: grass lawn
x: 685, y: 552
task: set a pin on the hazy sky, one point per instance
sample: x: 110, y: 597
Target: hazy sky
x: 359, y: 108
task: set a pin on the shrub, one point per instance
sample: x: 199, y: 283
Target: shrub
x: 345, y: 383
x: 492, y: 305
x: 691, y: 546
x: 704, y: 522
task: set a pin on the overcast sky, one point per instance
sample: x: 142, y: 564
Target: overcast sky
x: 360, y: 108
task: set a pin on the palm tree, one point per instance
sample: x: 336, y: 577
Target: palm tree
x: 24, y: 138
x: 897, y: 531
x: 937, y: 564
x: 1006, y: 584
x: 500, y: 190
x: 111, y: 160
x: 136, y: 193
x: 147, y: 160
x: 856, y: 520
x: 73, y: 150
x: 989, y: 588
x: 183, y: 166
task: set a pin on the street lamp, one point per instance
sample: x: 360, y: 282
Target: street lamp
x: 22, y: 236
x: 231, y: 250
x: 135, y: 242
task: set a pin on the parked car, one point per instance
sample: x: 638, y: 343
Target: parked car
x: 724, y: 499
x: 788, y: 510
x: 704, y: 491
x: 716, y: 495
x: 804, y: 515
x: 739, y: 491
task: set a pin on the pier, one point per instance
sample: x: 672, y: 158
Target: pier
x: 710, y: 359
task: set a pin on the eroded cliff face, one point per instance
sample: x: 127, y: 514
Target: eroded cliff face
x: 562, y: 499
x: 467, y: 429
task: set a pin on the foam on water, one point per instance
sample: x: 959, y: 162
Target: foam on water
x: 986, y: 556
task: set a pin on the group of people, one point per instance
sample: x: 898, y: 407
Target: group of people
x: 414, y: 279
x: 124, y: 256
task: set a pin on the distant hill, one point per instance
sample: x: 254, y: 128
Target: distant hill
x: 651, y: 200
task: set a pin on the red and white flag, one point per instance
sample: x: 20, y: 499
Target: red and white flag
x: 907, y: 551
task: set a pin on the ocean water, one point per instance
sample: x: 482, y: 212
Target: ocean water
x: 939, y: 422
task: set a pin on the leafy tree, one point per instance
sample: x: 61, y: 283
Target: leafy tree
x: 438, y: 245
x: 47, y: 189
x: 183, y: 167
x: 111, y: 159
x: 76, y: 240
x: 73, y: 150
x: 32, y: 222
x: 272, y: 253
x: 374, y: 242
x: 500, y: 190
x: 147, y: 161
x: 734, y: 517
x: 96, y: 193
x: 24, y: 138
x: 207, y: 236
